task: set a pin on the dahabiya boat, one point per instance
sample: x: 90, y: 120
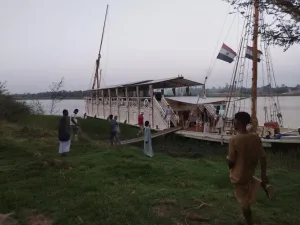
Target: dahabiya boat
x: 128, y: 100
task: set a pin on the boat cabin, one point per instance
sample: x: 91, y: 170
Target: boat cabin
x: 127, y: 101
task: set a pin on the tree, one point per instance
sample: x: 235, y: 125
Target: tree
x: 56, y: 94
x: 284, y: 28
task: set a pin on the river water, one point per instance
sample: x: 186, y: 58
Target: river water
x: 290, y: 108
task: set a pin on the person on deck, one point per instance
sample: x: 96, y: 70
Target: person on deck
x: 198, y: 122
x: 168, y: 115
x: 74, y: 124
x: 220, y: 122
x: 205, y: 120
x: 64, y: 134
x: 245, y: 150
x: 147, y: 140
x: 174, y: 91
x: 186, y: 115
x: 141, y: 123
x: 113, y: 131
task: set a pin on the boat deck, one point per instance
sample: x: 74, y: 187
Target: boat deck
x: 214, y: 137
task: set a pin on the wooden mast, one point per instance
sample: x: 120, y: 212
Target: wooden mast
x: 96, y: 76
x: 254, y: 67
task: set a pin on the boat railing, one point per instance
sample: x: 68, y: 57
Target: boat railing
x: 160, y: 110
x: 210, y: 108
x: 123, y: 101
x: 133, y: 102
x: 145, y: 102
x: 174, y: 117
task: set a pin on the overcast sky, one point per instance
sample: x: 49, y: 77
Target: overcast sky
x: 44, y: 40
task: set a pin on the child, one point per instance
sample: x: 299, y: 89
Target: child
x: 64, y: 134
x: 74, y: 124
x: 245, y: 150
x: 147, y: 140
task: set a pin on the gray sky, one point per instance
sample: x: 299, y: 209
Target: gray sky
x: 44, y: 40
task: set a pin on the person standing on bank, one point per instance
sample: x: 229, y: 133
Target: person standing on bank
x: 118, y: 130
x: 141, y: 123
x: 64, y: 134
x: 113, y: 130
x: 147, y: 140
x: 245, y: 151
x: 74, y: 124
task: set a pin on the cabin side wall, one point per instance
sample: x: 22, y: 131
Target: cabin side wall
x: 126, y: 108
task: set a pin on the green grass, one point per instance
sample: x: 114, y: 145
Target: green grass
x: 97, y: 184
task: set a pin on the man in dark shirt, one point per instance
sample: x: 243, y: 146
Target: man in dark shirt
x: 113, y: 130
x: 64, y: 134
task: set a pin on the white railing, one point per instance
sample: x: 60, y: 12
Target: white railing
x: 133, y: 102
x: 160, y: 111
x: 211, y: 109
x: 145, y: 102
x: 174, y: 117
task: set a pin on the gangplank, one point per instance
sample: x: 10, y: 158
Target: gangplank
x: 157, y: 134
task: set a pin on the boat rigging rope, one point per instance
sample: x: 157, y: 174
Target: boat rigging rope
x: 214, y: 58
x: 245, y: 29
x: 218, y: 42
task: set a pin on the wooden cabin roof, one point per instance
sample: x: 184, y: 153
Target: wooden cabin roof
x: 157, y: 84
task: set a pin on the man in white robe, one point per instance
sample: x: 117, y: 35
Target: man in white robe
x: 147, y: 140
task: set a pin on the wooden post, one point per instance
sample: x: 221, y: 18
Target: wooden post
x: 254, y: 68
x: 138, y: 99
x: 109, y: 101
x: 152, y: 108
x: 97, y: 102
x: 127, y: 104
x: 102, y: 93
x: 117, y: 93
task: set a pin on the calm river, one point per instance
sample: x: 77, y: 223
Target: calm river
x: 290, y: 107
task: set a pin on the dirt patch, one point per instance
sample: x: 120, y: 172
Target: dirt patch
x: 167, y: 202
x: 164, y: 207
x: 6, y: 219
x: 39, y: 219
x: 194, y: 216
x: 176, y: 222
x: 162, y: 210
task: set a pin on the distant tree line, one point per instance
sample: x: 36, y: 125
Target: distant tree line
x: 214, y: 91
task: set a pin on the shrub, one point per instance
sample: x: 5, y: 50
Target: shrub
x: 10, y: 108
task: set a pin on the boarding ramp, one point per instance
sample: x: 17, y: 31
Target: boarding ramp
x: 157, y: 134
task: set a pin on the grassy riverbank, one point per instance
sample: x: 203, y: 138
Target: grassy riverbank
x: 98, y: 184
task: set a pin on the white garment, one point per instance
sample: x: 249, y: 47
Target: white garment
x: 220, y: 123
x: 206, y: 127
x: 148, y: 142
x: 169, y: 120
x: 74, y: 116
x: 64, y: 146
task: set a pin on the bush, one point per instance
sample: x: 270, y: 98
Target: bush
x: 10, y: 108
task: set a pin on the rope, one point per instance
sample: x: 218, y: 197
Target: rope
x: 216, y: 47
x: 233, y: 77
x: 215, y: 58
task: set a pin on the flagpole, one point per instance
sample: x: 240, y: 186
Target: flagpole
x: 254, y: 66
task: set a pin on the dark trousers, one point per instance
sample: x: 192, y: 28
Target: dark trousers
x: 114, y: 136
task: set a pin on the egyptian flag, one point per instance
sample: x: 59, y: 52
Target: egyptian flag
x: 249, y: 54
x: 226, y: 54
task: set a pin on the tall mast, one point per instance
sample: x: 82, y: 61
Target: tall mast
x: 254, y: 67
x: 96, y: 76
